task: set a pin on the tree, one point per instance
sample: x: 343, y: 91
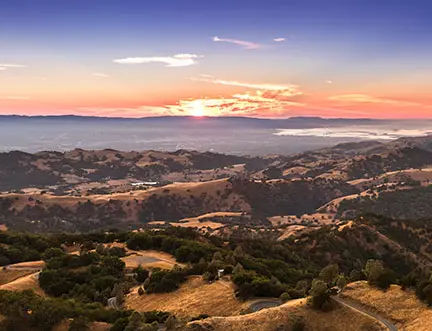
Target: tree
x: 302, y: 287
x: 120, y: 324
x: 238, y: 252
x: 51, y: 253
x: 238, y: 268
x: 217, y: 256
x: 141, y: 274
x: 341, y: 282
x: 319, y: 294
x: 135, y: 322
x: 79, y: 324
x: 373, y: 270
x: 329, y: 273
x: 284, y: 297
x: 378, y: 275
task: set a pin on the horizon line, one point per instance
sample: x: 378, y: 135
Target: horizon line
x: 206, y: 117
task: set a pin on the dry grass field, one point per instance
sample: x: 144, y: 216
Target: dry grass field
x: 293, y: 230
x: 424, y: 176
x: 191, y: 224
x: 210, y: 189
x: 215, y: 214
x: 198, y: 225
x: 281, y: 318
x: 150, y: 259
x: 29, y: 282
x: 193, y: 298
x: 401, y: 307
x: 316, y: 218
x: 39, y: 265
x: 95, y: 326
x: 9, y: 275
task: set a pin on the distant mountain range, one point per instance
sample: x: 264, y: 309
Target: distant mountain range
x: 291, y: 122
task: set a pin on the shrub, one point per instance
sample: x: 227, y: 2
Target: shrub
x: 79, y: 324
x: 319, y: 294
x: 284, y: 297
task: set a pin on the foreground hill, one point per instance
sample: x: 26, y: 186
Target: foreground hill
x: 195, y: 297
x: 402, y: 307
x: 286, y: 317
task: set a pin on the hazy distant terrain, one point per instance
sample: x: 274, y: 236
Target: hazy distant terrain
x: 162, y: 225
x: 223, y: 135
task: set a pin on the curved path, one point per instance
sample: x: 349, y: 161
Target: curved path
x: 264, y: 304
x: 362, y: 310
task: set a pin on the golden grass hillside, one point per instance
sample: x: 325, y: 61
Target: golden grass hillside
x: 130, y: 203
x: 29, y: 282
x: 402, y: 307
x: 150, y: 259
x: 193, y: 298
x: 9, y: 275
x: 94, y: 326
x: 281, y: 318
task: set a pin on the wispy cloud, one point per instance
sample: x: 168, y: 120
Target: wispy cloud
x: 99, y: 74
x: 14, y: 97
x: 264, y: 99
x: 178, y: 60
x: 4, y: 66
x: 255, y: 86
x: 279, y: 40
x: 249, y: 104
x: 243, y: 43
x: 140, y: 111
x: 364, y: 98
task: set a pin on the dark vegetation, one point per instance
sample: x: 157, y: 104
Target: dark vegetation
x: 376, y: 164
x: 289, y: 197
x: 20, y: 247
x: 89, y: 277
x: 407, y: 204
x: 80, y: 285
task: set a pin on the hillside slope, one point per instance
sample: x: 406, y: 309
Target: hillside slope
x: 283, y: 317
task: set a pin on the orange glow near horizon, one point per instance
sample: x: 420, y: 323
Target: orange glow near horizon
x: 197, y: 109
x: 208, y: 96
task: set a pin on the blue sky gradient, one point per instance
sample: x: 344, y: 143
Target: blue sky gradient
x: 380, y: 49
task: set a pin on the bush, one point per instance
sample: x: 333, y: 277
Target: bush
x: 165, y: 280
x: 141, y: 274
x: 79, y: 324
x: 378, y: 275
x: 284, y: 297
x: 319, y: 294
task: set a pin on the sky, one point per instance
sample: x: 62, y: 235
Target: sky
x: 269, y: 59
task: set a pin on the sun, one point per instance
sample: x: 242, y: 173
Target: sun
x: 197, y: 108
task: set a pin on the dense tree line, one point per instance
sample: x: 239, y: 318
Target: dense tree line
x: 89, y: 277
x: 400, y: 204
x: 28, y: 311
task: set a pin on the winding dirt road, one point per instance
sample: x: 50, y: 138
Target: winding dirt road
x: 357, y: 307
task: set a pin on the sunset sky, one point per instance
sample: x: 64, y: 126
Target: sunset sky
x: 272, y: 58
